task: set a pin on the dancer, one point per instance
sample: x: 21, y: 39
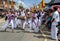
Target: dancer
x: 35, y: 22
x: 10, y: 21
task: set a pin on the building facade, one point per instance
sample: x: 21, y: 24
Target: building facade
x: 2, y: 5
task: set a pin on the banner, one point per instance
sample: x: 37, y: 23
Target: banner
x: 41, y: 5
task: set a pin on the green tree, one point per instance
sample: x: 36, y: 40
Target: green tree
x: 20, y: 5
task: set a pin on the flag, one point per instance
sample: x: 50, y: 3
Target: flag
x: 40, y: 6
x: 43, y: 4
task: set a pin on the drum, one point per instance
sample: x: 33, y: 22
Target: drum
x: 21, y: 17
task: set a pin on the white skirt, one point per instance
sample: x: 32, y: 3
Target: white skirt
x: 54, y: 30
x: 35, y: 26
x: 6, y: 24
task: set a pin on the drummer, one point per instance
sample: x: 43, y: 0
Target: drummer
x: 10, y: 21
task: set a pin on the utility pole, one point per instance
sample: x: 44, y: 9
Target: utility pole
x: 12, y: 4
x: 8, y: 5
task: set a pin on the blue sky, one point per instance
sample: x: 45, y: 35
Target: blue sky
x: 30, y: 3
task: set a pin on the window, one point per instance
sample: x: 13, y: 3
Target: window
x: 1, y: 10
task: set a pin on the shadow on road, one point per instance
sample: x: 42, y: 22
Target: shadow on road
x: 4, y: 31
x: 39, y: 36
x: 18, y: 28
x: 27, y: 32
x: 31, y: 32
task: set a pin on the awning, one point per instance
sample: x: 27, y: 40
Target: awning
x: 54, y: 2
x: 1, y: 8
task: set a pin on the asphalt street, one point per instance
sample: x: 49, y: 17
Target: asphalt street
x: 27, y: 35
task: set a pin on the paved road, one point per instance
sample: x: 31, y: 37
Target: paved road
x: 27, y: 35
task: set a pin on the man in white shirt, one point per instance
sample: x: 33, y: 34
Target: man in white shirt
x: 55, y: 20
